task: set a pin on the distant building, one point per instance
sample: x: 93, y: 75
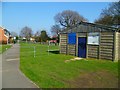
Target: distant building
x: 53, y: 41
x: 4, y: 36
x: 32, y: 39
x: 24, y: 39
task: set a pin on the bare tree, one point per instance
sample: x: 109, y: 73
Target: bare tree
x: 37, y: 36
x: 14, y: 34
x: 106, y: 20
x: 68, y: 18
x: 111, y: 15
x: 55, y: 29
x: 112, y: 10
x: 26, y: 32
x: 37, y: 33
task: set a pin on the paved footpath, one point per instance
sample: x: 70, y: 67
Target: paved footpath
x: 12, y: 77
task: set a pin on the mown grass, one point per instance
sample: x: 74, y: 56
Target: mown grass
x: 3, y: 48
x: 49, y: 70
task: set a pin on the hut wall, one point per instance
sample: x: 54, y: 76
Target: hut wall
x: 71, y: 49
x: 63, y: 43
x: 82, y: 34
x: 117, y: 47
x: 93, y: 51
x: 106, y: 45
x: 108, y: 48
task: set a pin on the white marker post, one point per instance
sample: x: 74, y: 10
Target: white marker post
x: 34, y: 51
x: 48, y: 49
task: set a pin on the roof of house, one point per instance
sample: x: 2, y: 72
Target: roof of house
x: 5, y: 29
x: 90, y: 27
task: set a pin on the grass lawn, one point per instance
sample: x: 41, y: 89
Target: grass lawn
x: 3, y: 48
x: 49, y: 70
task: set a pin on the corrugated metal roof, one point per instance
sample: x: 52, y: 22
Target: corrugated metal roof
x: 90, y: 27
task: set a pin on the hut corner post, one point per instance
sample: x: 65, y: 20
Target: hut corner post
x: 87, y: 46
x: 76, y: 44
x: 116, y: 47
x: 99, y: 48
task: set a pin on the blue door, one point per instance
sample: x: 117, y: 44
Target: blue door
x: 82, y: 47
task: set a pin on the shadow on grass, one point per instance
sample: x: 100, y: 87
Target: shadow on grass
x: 54, y: 51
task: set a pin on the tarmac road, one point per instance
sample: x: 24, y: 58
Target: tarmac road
x: 12, y: 77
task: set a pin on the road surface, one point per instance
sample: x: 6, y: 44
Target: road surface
x: 12, y: 77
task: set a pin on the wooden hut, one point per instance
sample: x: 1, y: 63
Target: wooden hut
x: 88, y: 40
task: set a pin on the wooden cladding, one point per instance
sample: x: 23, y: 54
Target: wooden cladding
x: 117, y: 48
x: 106, y: 48
x: 71, y: 49
x: 63, y: 49
x: 106, y: 45
x: 82, y: 34
x: 63, y: 43
x: 93, y: 51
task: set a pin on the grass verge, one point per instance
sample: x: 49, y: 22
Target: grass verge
x: 49, y: 70
x: 3, y: 48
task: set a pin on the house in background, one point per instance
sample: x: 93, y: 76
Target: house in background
x: 32, y: 39
x: 53, y: 40
x: 4, y: 36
